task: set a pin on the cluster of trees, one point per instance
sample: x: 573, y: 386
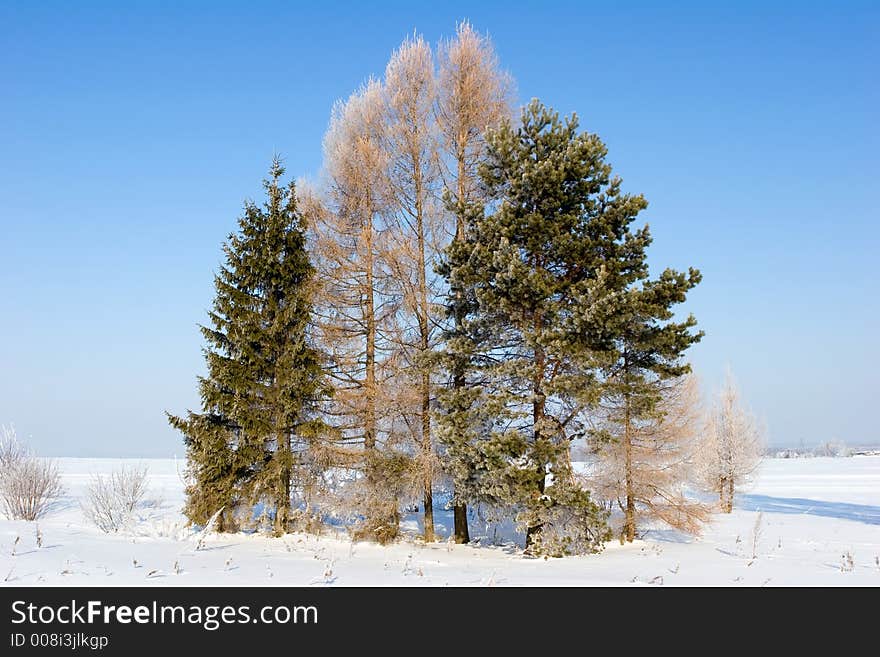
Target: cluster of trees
x: 462, y: 298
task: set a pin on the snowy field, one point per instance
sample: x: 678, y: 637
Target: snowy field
x: 798, y: 525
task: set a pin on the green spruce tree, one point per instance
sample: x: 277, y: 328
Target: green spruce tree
x: 259, y: 426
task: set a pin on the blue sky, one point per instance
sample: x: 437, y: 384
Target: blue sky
x: 129, y: 137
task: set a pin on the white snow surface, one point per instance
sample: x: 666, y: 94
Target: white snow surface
x: 813, y: 514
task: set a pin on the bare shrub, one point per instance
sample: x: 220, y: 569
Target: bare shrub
x: 376, y: 508
x: 29, y: 487
x: 111, y: 501
x: 28, y: 484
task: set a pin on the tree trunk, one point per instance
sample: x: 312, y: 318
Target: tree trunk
x: 460, y: 523
x: 426, y: 446
x: 629, y: 525
x: 370, y: 374
x: 533, y: 531
x: 538, y: 413
x: 424, y: 344
x: 461, y: 533
x: 722, y: 489
x: 729, y: 495
x: 384, y: 516
x: 282, y: 504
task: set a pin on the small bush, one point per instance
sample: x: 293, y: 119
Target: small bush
x: 28, y: 484
x: 111, y: 501
x: 375, y: 499
x: 383, y: 530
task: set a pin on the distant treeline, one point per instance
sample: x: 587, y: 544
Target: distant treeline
x: 830, y: 448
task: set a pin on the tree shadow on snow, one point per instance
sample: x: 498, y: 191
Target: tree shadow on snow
x: 858, y: 512
x: 59, y: 505
x: 667, y: 536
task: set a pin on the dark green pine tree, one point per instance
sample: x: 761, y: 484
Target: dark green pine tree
x: 547, y: 266
x: 259, y: 426
x: 648, y: 351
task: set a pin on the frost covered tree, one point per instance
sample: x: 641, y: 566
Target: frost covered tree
x: 547, y: 262
x: 645, y: 450
x: 357, y: 305
x: 472, y: 96
x: 346, y: 239
x: 401, y: 158
x: 648, y: 350
x: 733, y: 445
x: 253, y: 440
x: 393, y: 151
x: 411, y: 146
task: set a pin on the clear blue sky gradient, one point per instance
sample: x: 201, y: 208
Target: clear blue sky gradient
x: 129, y: 138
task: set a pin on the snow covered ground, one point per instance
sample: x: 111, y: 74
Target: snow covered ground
x: 813, y: 514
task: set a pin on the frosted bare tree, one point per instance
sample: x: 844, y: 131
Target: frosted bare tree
x: 415, y: 216
x: 391, y: 151
x: 357, y: 305
x: 656, y: 468
x: 733, y: 446
x: 472, y: 94
x: 345, y: 239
